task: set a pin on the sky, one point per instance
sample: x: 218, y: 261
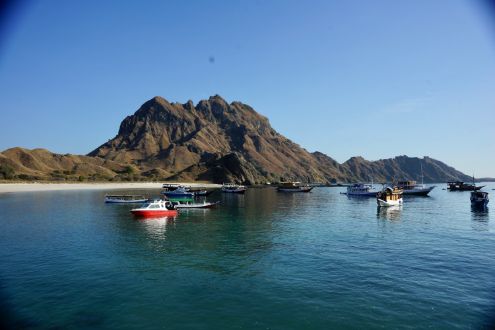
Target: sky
x: 370, y: 78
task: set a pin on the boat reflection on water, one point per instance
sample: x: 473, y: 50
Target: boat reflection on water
x: 389, y: 213
x: 156, y: 226
x: 480, y: 217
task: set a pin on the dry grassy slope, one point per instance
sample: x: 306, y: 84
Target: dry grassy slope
x: 42, y: 163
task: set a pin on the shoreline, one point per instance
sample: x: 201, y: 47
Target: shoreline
x: 35, y: 186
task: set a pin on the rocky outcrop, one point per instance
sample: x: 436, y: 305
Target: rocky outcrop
x: 184, y: 139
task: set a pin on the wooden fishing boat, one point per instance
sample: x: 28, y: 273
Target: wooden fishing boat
x: 156, y: 208
x: 461, y: 186
x: 389, y: 197
x: 293, y: 186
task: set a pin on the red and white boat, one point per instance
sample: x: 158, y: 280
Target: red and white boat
x: 157, y: 208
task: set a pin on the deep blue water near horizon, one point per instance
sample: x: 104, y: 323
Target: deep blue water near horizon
x: 263, y: 260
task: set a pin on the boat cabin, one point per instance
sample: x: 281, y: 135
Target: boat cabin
x: 408, y: 184
x: 390, y: 194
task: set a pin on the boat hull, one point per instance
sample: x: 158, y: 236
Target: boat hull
x: 468, y: 188
x: 154, y: 213
x: 197, y: 206
x: 483, y: 203
x: 133, y: 201
x: 363, y: 194
x: 295, y: 190
x: 383, y: 203
x: 202, y: 192
x: 418, y: 192
x: 171, y: 194
x: 237, y: 191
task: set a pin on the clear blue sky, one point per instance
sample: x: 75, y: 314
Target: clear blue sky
x: 371, y: 78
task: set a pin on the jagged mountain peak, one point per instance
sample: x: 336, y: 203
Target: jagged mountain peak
x: 214, y: 137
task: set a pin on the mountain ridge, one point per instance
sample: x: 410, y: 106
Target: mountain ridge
x: 214, y: 141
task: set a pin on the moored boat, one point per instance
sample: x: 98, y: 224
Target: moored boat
x: 461, y: 186
x: 410, y: 187
x: 125, y: 199
x: 389, y: 197
x: 189, y: 203
x: 233, y: 188
x: 201, y: 192
x: 293, y: 187
x: 171, y: 186
x: 479, y: 198
x: 156, y: 208
x: 180, y: 191
x: 361, y: 189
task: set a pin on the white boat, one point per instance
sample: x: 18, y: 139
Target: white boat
x: 389, y: 197
x: 233, y: 188
x: 293, y: 187
x: 156, y: 208
x: 412, y: 188
x: 190, y: 204
x: 361, y: 189
x: 125, y: 199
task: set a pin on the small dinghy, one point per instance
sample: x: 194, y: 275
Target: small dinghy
x: 156, y: 208
x: 125, y: 199
x: 389, y: 197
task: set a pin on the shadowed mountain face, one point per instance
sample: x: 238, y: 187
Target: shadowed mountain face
x: 218, y: 141
x: 212, y: 137
x: 212, y: 141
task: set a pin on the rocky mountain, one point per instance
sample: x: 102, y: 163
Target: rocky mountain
x: 211, y: 141
x: 213, y: 138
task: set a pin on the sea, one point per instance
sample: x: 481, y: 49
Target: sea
x: 263, y: 260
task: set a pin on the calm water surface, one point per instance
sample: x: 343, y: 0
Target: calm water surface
x: 263, y: 260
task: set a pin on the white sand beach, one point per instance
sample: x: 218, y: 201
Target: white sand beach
x: 27, y: 187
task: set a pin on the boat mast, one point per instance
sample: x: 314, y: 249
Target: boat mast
x: 422, y: 176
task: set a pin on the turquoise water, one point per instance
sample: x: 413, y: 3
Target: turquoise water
x: 264, y: 260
